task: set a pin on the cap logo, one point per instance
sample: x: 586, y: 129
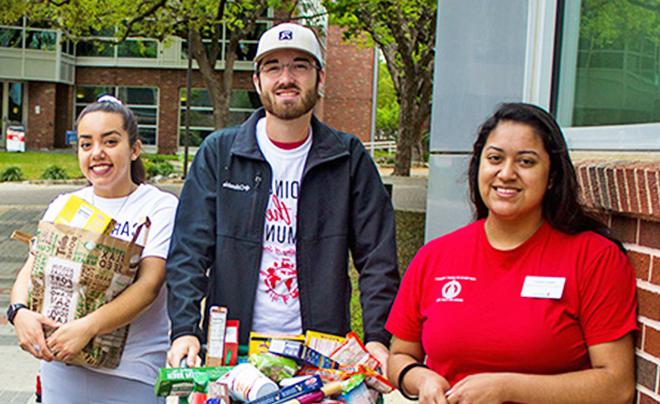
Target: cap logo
x: 286, y: 35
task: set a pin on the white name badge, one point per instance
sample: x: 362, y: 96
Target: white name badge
x: 544, y: 287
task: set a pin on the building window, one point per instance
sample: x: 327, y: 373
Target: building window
x: 101, y: 45
x: 610, y: 64
x: 143, y: 101
x: 40, y: 39
x: 11, y: 37
x: 246, y: 50
x: 241, y: 105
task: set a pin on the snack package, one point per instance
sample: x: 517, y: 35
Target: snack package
x: 353, y: 354
x: 181, y: 381
x: 324, y: 343
x: 273, y: 366
x: 218, y: 391
x: 259, y: 343
x: 301, y: 354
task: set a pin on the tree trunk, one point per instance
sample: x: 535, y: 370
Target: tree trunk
x: 408, y: 132
x: 219, y: 93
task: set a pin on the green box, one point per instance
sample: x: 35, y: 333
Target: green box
x: 179, y: 381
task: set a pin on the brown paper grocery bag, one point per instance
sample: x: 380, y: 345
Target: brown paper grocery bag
x: 77, y: 271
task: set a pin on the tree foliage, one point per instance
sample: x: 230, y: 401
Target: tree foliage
x: 404, y: 30
x: 387, y: 111
x: 607, y: 22
x: 161, y: 19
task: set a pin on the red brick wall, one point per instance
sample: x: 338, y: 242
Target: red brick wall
x: 169, y: 81
x: 349, y: 83
x: 40, y: 127
x: 628, y: 194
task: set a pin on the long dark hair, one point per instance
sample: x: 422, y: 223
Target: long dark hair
x: 112, y: 105
x: 560, y: 203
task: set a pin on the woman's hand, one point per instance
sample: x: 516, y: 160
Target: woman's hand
x: 29, y: 330
x: 483, y: 388
x: 431, y: 386
x: 71, y: 338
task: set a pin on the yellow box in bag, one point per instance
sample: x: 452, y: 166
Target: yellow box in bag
x: 78, y: 213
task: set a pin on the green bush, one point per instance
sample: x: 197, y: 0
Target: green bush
x: 11, y: 173
x: 163, y: 169
x: 54, y: 172
x: 156, y: 159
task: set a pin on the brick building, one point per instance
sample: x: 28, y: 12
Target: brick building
x: 45, y: 82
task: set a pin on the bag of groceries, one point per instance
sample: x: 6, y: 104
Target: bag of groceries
x: 75, y: 272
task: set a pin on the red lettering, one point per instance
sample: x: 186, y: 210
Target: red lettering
x: 278, y: 212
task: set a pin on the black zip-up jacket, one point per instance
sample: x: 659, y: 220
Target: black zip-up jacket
x: 343, y: 205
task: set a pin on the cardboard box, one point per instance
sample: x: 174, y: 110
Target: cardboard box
x: 78, y: 213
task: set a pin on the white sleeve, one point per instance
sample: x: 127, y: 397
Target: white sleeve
x: 55, y: 207
x: 162, y: 223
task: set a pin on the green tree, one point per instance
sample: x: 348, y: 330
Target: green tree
x: 404, y: 30
x: 161, y: 19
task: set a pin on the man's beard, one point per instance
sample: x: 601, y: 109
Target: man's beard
x: 289, y: 111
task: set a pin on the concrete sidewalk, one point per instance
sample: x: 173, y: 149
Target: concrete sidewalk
x: 18, y: 375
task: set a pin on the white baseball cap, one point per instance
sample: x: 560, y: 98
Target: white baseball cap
x: 289, y: 36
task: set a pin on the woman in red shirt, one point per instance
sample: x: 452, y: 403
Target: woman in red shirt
x: 532, y: 302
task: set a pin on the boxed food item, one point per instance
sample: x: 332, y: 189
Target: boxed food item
x: 290, y: 392
x: 78, y: 213
x: 301, y: 354
x: 181, y: 381
x: 259, y: 342
x: 322, y: 342
x: 216, y: 336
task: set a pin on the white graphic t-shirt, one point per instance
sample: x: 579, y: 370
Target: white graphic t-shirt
x: 277, y: 303
x: 147, y: 342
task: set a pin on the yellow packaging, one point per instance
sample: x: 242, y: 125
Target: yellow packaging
x: 78, y: 213
x: 322, y: 342
x: 259, y: 342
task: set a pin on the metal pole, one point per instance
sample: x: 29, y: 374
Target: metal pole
x: 374, y: 102
x: 186, y: 139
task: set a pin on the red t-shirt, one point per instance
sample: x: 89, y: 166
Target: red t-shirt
x: 462, y: 299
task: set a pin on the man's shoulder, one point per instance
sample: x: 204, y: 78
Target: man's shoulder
x: 349, y: 140
x: 221, y: 136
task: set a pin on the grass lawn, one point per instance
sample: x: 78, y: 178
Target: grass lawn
x: 33, y: 164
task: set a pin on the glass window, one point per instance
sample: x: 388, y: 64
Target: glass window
x: 42, y: 40
x: 610, y: 74
x: 143, y: 101
x: 145, y: 116
x: 242, y: 104
x: 133, y: 48
x: 89, y: 94
x: 11, y: 37
x: 147, y: 135
x: 138, y: 95
x: 246, y: 51
x: 95, y: 49
x: 244, y: 99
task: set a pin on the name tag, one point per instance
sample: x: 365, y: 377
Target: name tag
x: 544, y: 287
